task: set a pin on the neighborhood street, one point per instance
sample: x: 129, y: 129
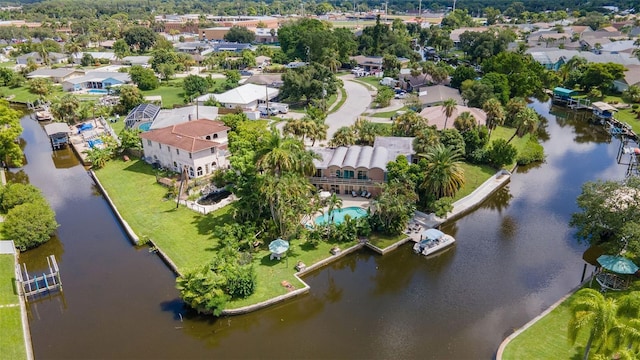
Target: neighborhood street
x: 358, y: 101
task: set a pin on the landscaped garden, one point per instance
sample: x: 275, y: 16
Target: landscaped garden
x: 187, y: 237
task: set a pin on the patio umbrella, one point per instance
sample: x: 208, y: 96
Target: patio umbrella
x: 278, y: 246
x: 618, y: 264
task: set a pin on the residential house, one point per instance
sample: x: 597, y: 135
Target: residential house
x: 437, y: 94
x: 435, y: 115
x: 630, y: 77
x: 98, y: 56
x: 141, y: 60
x: 58, y: 76
x: 200, y: 146
x: 194, y: 47
x: 373, y: 63
x: 455, y: 33
x: 622, y: 46
x: 229, y: 46
x: 553, y: 59
x: 265, y: 35
x: 245, y: 97
x: 358, y: 168
x: 54, y: 58
x: 96, y: 80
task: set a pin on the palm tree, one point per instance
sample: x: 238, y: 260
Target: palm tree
x: 344, y: 136
x: 627, y: 334
x: 526, y: 122
x: 444, y: 174
x: 408, y: 124
x: 465, y: 121
x: 592, y: 311
x: 332, y: 62
x: 428, y: 68
x: 277, y: 154
x: 333, y: 203
x: 495, y: 114
x: 448, y: 107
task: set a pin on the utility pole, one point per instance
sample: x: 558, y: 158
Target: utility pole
x: 420, y: 8
x: 454, y: 5
x: 386, y: 3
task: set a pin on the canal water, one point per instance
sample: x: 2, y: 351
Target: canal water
x: 514, y: 256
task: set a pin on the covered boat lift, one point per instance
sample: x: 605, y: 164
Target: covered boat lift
x: 58, y: 134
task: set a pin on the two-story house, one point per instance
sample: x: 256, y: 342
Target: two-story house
x: 343, y: 170
x: 199, y: 145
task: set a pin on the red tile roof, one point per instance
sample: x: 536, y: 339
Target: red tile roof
x: 188, y: 135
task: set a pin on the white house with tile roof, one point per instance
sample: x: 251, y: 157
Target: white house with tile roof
x: 199, y: 145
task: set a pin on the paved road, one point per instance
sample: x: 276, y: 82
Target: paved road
x: 358, y: 101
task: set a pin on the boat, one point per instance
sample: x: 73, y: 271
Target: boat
x: 44, y: 115
x: 433, y: 240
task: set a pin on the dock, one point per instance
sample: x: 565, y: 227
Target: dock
x: 29, y: 286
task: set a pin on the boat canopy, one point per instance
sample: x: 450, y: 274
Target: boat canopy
x: 432, y: 234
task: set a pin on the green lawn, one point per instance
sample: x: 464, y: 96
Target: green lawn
x: 388, y: 114
x: 187, y: 236
x: 171, y: 95
x: 371, y: 82
x: 547, y: 338
x: 22, y: 95
x: 474, y: 176
x: 383, y: 241
x: 343, y: 99
x: 12, y: 344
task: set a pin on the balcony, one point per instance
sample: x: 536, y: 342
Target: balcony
x: 342, y: 181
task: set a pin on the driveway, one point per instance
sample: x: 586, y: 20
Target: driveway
x: 358, y: 101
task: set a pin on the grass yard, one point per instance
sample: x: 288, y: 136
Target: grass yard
x: 187, y: 236
x: 371, y: 82
x: 474, y: 176
x: 388, y: 114
x: 383, y: 241
x: 171, y: 95
x: 343, y: 99
x: 547, y: 338
x: 12, y: 344
x: 22, y: 95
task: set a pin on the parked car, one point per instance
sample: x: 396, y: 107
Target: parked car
x: 270, y: 111
x: 245, y: 73
x: 388, y: 81
x: 401, y: 95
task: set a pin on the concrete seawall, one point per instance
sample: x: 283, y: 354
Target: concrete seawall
x: 461, y: 207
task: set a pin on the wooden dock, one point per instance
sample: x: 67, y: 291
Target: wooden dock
x: 39, y: 284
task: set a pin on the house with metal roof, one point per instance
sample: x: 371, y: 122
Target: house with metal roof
x: 200, y: 146
x: 96, y: 80
x: 58, y: 76
x: 54, y: 58
x: 246, y: 97
x: 358, y: 168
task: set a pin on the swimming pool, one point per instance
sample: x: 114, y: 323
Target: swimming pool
x: 338, y: 215
x: 98, y: 91
x: 145, y: 126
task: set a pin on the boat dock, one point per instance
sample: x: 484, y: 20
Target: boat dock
x: 39, y: 284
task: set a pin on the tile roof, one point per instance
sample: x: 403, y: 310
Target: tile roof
x: 436, y: 116
x: 187, y: 136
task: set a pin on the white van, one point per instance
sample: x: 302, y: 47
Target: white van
x: 282, y: 108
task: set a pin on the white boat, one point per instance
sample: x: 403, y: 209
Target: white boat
x: 431, y: 241
x: 43, y: 115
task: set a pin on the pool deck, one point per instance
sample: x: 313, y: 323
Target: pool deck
x: 79, y: 140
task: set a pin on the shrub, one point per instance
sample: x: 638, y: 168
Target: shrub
x: 501, y: 153
x: 533, y: 152
x: 14, y: 194
x: 241, y: 281
x: 30, y: 224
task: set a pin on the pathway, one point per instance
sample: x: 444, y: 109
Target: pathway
x: 358, y: 101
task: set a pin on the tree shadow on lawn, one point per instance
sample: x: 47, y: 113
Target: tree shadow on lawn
x: 140, y: 166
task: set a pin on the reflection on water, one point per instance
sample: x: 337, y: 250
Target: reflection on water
x: 514, y: 256
x: 64, y: 158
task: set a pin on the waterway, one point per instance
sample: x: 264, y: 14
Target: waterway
x: 514, y: 256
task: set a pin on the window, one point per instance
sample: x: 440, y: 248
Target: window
x: 169, y: 148
x: 362, y: 175
x: 149, y: 142
x: 177, y: 151
x: 215, y: 136
x: 318, y: 172
x: 338, y: 173
x: 348, y: 174
x: 199, y: 170
x: 213, y: 164
x: 175, y: 166
x: 191, y: 171
x: 160, y: 145
x: 208, y: 137
x: 190, y: 156
x: 213, y: 150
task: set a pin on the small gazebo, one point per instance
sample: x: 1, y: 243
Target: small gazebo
x: 616, y: 276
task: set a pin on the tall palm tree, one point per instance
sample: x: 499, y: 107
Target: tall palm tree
x: 333, y: 203
x: 448, y: 107
x: 526, y: 122
x: 332, y: 61
x: 627, y: 333
x: 465, y: 122
x: 495, y: 114
x: 277, y: 154
x: 590, y: 310
x: 444, y: 174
